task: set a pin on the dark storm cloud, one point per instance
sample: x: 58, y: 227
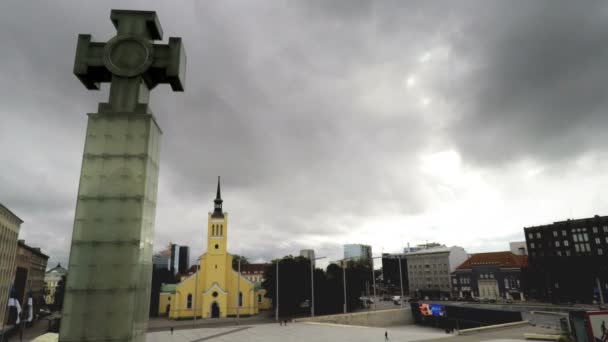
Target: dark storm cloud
x: 277, y: 102
x: 537, y: 81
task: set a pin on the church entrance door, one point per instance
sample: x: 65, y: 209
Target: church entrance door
x: 215, y: 310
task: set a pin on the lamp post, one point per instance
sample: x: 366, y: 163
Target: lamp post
x: 344, y: 280
x: 312, y: 285
x: 400, y: 282
x: 276, y: 307
x: 374, y: 280
x: 238, y: 294
x: 196, y: 290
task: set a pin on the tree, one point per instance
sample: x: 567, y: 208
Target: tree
x: 235, y: 261
x: 294, y: 286
x: 59, y: 294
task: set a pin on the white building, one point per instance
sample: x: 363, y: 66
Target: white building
x: 52, y: 278
x: 429, y: 270
x: 9, y: 232
x: 518, y: 248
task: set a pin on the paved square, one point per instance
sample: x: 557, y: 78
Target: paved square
x: 296, y: 332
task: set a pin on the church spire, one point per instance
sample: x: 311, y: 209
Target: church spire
x: 217, y: 208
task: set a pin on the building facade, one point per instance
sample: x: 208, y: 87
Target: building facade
x: 215, y: 290
x: 568, y: 260
x: 309, y: 254
x: 253, y: 272
x: 390, y: 273
x: 429, y: 270
x: 175, y: 258
x: 9, y: 234
x: 29, y: 273
x: 492, y: 275
x: 518, y: 248
x: 52, y: 278
x: 358, y: 252
x: 180, y: 259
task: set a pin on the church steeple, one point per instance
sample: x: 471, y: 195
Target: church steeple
x: 217, y: 208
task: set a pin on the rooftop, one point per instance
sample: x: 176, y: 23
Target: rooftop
x: 500, y: 259
x: 10, y: 212
x: 571, y: 221
x: 438, y: 249
x: 253, y: 268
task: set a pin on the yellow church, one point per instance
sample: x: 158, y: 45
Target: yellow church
x: 215, y: 290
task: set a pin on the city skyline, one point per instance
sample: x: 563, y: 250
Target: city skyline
x: 329, y: 124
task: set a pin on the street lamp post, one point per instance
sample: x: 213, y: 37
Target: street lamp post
x: 238, y: 294
x: 198, y: 260
x: 374, y: 281
x: 344, y: 287
x: 276, y: 308
x: 343, y: 261
x: 312, y: 285
x: 400, y: 282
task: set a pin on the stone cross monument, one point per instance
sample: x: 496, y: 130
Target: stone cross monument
x: 108, y: 287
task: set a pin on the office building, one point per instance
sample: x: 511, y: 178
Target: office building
x: 180, y: 259
x: 492, y: 275
x: 9, y: 233
x: 309, y: 254
x: 29, y: 274
x: 390, y: 272
x: 518, y: 248
x: 568, y: 260
x: 358, y: 252
x: 429, y: 270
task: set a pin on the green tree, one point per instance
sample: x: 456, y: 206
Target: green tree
x: 59, y: 294
x: 294, y: 284
x: 235, y: 261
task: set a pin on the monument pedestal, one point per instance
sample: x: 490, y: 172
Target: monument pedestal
x: 108, y: 288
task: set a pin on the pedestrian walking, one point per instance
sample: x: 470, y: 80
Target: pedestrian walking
x: 386, y: 335
x: 171, y: 330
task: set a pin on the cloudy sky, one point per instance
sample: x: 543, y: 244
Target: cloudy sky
x: 330, y: 122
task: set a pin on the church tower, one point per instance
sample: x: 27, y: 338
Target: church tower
x: 217, y: 226
x: 216, y: 289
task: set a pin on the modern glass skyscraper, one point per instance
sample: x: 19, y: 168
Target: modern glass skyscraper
x: 358, y: 252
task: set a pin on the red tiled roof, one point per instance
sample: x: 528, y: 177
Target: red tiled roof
x: 500, y: 259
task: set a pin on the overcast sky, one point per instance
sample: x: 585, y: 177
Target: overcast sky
x: 330, y: 122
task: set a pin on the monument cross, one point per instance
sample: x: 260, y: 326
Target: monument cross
x: 107, y: 293
x: 130, y: 61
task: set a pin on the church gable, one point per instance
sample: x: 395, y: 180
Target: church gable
x: 215, y: 287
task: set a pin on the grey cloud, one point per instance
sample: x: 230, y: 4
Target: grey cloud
x: 274, y: 104
x: 537, y: 85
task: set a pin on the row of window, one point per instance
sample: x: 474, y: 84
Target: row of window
x: 566, y: 243
x: 576, y: 231
x: 217, y: 230
x: 189, y: 299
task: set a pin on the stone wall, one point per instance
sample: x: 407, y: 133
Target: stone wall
x: 380, y: 318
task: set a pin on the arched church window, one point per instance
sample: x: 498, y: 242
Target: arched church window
x: 217, y: 246
x: 221, y: 230
x: 240, y: 298
x: 189, y: 303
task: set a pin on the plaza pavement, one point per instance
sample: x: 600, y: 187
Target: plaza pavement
x: 296, y: 332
